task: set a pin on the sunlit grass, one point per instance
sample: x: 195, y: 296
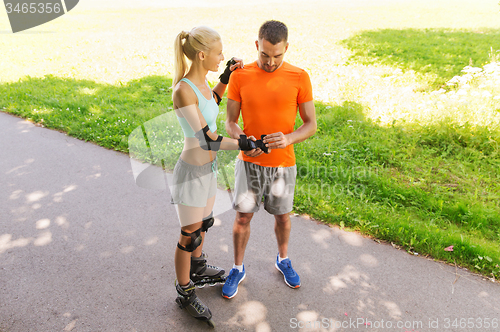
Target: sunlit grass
x: 440, y: 53
x: 107, y: 116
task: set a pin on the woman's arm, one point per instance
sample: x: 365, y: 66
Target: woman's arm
x: 186, y: 102
x: 231, y: 66
x: 186, y: 106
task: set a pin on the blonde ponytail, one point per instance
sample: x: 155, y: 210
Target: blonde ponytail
x: 197, y: 40
x: 180, y: 65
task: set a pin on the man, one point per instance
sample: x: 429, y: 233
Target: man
x: 267, y: 93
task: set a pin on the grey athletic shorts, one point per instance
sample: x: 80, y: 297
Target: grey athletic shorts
x: 194, y: 185
x: 253, y: 183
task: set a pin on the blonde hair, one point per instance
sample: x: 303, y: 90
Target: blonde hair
x: 199, y: 39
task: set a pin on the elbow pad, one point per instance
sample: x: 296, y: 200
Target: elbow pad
x: 206, y: 143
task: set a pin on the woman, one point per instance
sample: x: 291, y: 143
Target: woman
x: 196, y: 107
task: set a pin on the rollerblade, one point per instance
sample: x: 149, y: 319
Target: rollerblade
x: 188, y: 300
x: 202, y: 273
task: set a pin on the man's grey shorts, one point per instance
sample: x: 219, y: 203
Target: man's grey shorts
x: 193, y: 185
x: 254, y: 182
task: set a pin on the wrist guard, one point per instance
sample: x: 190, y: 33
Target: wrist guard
x: 224, y: 77
x: 245, y: 144
x: 206, y: 143
x: 260, y: 144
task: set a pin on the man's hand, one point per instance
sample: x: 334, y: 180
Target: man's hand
x: 254, y: 152
x: 276, y: 141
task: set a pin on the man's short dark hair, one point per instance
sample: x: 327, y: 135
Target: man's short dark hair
x: 274, y: 32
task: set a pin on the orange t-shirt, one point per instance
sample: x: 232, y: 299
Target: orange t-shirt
x: 269, y: 104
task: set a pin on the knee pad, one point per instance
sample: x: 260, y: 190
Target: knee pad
x: 207, y: 222
x: 195, y: 240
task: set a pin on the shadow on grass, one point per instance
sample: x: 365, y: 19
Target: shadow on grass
x: 424, y: 188
x: 439, y: 52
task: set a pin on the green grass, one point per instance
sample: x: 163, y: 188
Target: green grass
x: 424, y: 188
x: 392, y: 158
x: 102, y: 113
x: 439, y: 53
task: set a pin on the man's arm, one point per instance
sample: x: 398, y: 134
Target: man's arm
x: 232, y: 127
x: 308, y: 115
x: 233, y: 113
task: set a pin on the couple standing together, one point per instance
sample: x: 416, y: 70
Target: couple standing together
x: 267, y: 94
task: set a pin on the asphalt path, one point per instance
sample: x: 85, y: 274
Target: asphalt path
x: 84, y: 248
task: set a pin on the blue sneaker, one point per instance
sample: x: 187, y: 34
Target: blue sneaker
x: 230, y: 288
x: 292, y: 279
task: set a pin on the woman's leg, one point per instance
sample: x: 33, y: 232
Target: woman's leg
x: 186, y: 295
x: 206, y: 212
x: 202, y: 273
x: 190, y: 216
